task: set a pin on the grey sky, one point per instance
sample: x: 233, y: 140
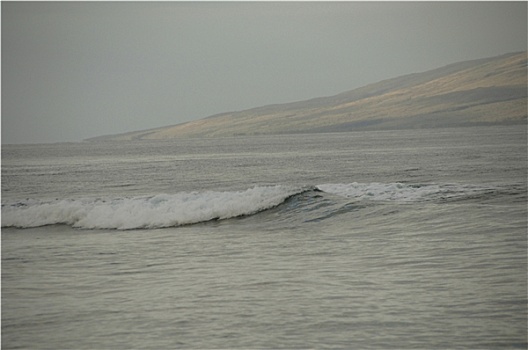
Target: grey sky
x: 73, y: 70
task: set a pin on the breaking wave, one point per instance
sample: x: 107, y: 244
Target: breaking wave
x: 168, y: 210
x: 163, y: 210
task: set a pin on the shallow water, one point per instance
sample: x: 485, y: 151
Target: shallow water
x: 408, y: 239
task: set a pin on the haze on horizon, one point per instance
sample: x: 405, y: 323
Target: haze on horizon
x: 75, y: 70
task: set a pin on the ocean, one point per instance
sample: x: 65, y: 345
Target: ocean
x: 409, y: 239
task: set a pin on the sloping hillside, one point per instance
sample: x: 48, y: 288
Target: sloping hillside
x: 480, y: 92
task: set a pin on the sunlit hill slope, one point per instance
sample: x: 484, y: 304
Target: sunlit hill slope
x: 487, y: 91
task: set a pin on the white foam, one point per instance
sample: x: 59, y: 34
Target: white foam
x: 162, y: 210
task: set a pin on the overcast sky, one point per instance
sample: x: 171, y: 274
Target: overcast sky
x: 74, y: 70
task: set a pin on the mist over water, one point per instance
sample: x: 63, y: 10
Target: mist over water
x: 402, y: 239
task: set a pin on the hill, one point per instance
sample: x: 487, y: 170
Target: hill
x: 487, y: 91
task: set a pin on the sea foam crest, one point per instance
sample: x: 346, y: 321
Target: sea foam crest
x: 164, y: 210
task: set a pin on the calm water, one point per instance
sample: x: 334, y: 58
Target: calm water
x: 407, y: 239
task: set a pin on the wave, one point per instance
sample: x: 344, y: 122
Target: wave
x: 402, y: 192
x: 168, y: 210
x: 163, y: 210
